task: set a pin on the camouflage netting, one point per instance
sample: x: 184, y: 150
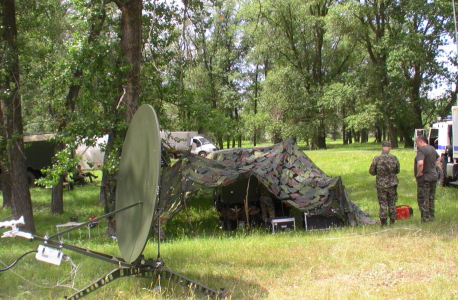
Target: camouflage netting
x: 283, y: 168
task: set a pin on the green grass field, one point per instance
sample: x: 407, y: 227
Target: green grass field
x: 409, y: 260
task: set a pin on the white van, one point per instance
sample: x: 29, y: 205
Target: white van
x: 179, y: 142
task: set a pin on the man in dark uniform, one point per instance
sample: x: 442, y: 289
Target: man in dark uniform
x: 386, y: 166
x: 426, y: 175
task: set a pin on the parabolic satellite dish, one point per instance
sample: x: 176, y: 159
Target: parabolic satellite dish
x: 138, y: 180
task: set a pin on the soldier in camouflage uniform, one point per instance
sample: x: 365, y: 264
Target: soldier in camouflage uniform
x: 386, y: 166
x: 267, y: 204
x: 425, y: 172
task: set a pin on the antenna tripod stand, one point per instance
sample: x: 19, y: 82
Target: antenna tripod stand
x: 145, y: 268
x: 141, y: 267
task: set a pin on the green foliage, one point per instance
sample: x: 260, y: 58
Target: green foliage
x: 229, y: 68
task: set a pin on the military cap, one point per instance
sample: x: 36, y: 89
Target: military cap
x: 386, y: 144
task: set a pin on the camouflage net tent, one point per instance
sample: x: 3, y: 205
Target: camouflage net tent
x: 283, y: 169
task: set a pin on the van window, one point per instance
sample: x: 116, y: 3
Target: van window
x: 197, y: 142
x: 204, y: 141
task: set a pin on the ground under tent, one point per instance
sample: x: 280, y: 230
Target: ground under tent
x: 239, y: 206
x: 295, y: 183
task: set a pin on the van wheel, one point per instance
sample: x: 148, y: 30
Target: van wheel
x: 442, y: 179
x: 202, y: 153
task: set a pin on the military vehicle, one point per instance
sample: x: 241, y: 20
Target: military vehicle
x: 39, y: 151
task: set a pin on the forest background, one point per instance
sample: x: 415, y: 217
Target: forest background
x: 234, y: 70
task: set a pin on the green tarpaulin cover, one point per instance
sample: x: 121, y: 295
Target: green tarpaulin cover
x: 283, y: 168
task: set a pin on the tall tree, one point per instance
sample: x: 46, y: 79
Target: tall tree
x: 213, y: 74
x: 402, y: 42
x: 304, y: 59
x: 11, y: 116
x: 96, y: 21
x: 418, y: 28
x: 375, y: 19
x: 131, y: 46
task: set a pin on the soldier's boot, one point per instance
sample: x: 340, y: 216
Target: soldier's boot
x: 383, y: 222
x: 392, y: 221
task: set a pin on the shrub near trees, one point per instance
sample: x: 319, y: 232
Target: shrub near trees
x: 230, y: 69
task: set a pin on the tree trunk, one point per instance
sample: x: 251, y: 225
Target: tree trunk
x: 107, y: 179
x: 108, y: 192
x: 57, y: 203
x: 276, y: 137
x: 321, y: 138
x: 107, y: 195
x: 20, y: 194
x: 256, y: 87
x: 220, y: 142
x: 415, y: 97
x: 393, y: 134
x: 6, y: 188
x: 356, y: 134
x: 11, y: 112
x: 131, y: 45
x: 408, y: 141
x: 364, y: 136
x: 406, y: 136
x: 321, y: 142
x: 349, y: 137
x: 378, y: 134
x: 344, y: 134
x: 57, y: 194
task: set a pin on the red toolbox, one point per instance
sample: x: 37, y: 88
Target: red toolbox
x: 403, y: 212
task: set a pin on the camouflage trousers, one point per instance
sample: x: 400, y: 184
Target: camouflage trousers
x: 387, y: 198
x: 426, y: 191
x: 267, y: 207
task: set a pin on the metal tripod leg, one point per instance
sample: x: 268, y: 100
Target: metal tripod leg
x: 184, y: 281
x: 148, y: 273
x: 113, y: 275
